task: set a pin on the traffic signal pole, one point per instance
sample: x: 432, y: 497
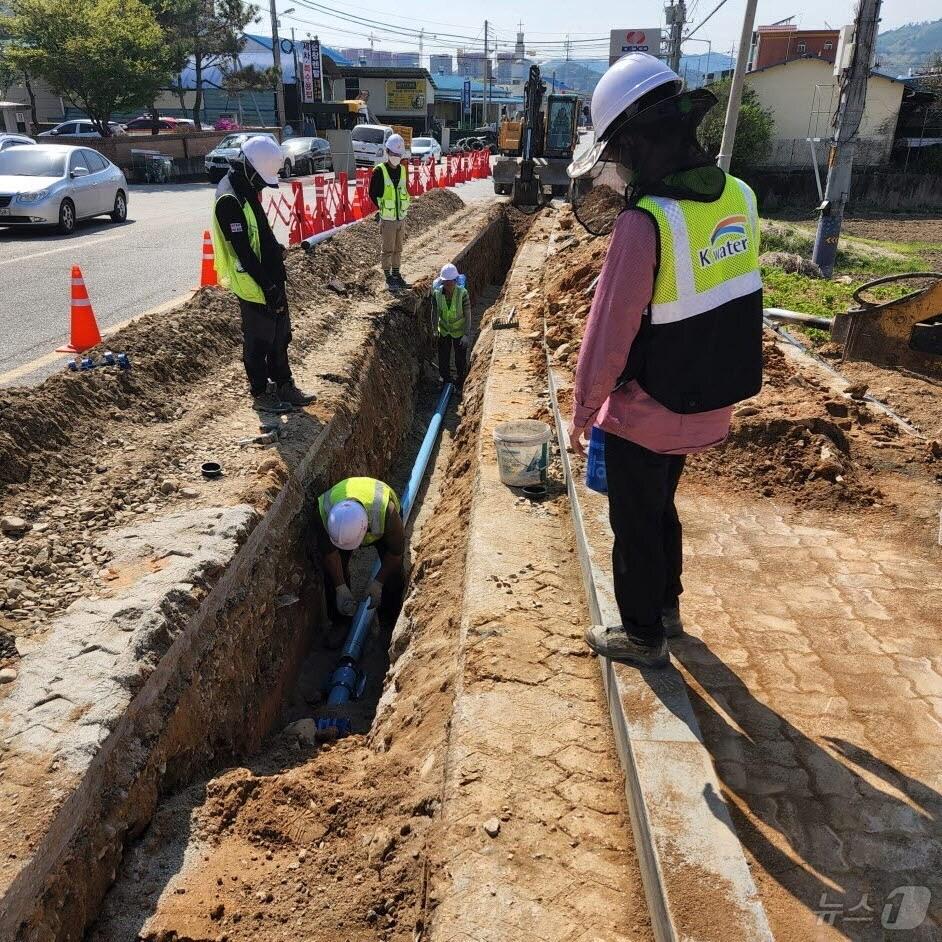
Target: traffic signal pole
x: 841, y: 156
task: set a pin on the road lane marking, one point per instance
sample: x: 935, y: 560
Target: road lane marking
x: 65, y: 248
x: 46, y: 359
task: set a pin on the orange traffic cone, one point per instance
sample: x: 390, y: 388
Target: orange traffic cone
x: 208, y: 272
x: 83, y: 328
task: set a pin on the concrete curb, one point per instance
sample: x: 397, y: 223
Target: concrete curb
x: 686, y: 842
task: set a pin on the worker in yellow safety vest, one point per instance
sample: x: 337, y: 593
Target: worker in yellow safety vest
x: 357, y: 512
x: 451, y: 312
x: 389, y: 191
x: 674, y: 336
x: 250, y: 262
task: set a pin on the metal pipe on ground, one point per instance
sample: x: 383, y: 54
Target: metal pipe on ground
x: 794, y: 317
x: 347, y: 680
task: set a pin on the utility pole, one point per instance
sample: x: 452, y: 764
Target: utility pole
x: 276, y: 55
x: 735, y: 89
x: 487, y: 77
x: 421, y: 42
x: 676, y: 17
x: 841, y: 157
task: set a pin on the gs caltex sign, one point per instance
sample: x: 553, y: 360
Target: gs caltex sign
x: 623, y: 41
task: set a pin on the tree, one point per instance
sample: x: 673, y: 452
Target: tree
x: 104, y: 56
x: 237, y: 79
x: 206, y: 33
x: 753, y: 132
x: 11, y: 75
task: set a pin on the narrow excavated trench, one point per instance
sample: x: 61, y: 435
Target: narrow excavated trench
x: 202, y: 867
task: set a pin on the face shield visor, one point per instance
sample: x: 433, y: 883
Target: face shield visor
x: 604, y: 175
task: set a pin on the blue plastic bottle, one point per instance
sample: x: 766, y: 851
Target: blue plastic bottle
x: 595, y: 477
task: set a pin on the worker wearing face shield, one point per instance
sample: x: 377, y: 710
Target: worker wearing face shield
x: 674, y: 335
x: 389, y: 190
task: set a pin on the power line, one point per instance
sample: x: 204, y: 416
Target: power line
x: 705, y: 20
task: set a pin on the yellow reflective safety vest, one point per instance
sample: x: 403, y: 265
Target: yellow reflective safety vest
x: 373, y: 495
x: 394, y: 203
x: 700, y: 343
x: 451, y: 319
x: 231, y: 273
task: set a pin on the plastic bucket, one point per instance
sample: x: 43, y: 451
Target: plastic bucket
x: 522, y: 452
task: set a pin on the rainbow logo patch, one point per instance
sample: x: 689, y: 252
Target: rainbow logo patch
x: 730, y: 226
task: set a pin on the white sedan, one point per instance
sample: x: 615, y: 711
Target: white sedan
x: 56, y: 185
x: 14, y: 140
x: 427, y: 148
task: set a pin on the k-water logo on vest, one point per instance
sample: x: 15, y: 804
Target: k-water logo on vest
x: 728, y: 238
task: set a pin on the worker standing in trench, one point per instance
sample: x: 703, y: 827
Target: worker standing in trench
x: 451, y: 311
x: 389, y: 190
x: 357, y: 512
x: 250, y: 262
x: 674, y: 336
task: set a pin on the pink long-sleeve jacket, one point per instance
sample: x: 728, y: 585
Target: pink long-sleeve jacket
x: 622, y: 295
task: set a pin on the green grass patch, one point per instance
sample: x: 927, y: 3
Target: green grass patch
x: 818, y: 296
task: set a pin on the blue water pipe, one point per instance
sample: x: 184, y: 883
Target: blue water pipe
x: 349, y: 679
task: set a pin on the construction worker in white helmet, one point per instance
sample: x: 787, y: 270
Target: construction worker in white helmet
x: 389, y: 190
x: 250, y: 262
x: 674, y: 336
x: 355, y: 512
x: 451, y: 313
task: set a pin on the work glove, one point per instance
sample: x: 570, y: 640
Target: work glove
x: 346, y: 603
x: 375, y: 593
x: 275, y: 299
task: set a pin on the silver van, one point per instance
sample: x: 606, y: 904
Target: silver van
x: 369, y: 143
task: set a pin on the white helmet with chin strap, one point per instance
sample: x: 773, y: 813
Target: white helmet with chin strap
x: 347, y: 524
x: 621, y: 87
x: 263, y: 155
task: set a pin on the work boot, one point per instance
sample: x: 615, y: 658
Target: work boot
x: 612, y: 641
x: 290, y: 393
x: 397, y: 275
x: 391, y: 282
x: 672, y: 622
x: 269, y: 402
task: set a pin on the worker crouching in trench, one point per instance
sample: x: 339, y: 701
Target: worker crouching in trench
x: 359, y: 512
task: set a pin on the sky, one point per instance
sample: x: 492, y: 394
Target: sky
x: 546, y: 24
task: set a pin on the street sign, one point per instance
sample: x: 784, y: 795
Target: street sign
x: 466, y: 98
x: 311, y: 90
x: 623, y: 41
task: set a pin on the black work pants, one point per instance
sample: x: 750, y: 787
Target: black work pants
x: 265, y: 339
x: 445, y: 345
x: 647, y: 557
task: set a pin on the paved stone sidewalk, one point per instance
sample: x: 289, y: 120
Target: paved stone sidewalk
x: 814, y: 659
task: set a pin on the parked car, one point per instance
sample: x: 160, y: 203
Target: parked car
x: 56, y: 185
x: 427, y: 148
x: 164, y: 123
x: 306, y: 155
x: 369, y: 142
x: 14, y: 140
x: 80, y: 127
x: 218, y: 159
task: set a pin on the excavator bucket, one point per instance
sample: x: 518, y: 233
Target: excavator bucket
x: 904, y: 332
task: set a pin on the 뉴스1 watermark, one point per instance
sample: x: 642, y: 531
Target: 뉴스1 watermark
x: 903, y: 909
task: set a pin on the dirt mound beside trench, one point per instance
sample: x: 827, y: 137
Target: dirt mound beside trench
x: 172, y: 351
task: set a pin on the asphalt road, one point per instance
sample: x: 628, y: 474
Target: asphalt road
x: 148, y: 262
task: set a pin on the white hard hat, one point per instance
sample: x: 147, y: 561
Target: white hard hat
x: 265, y: 157
x: 623, y: 85
x: 448, y: 273
x: 396, y: 145
x: 347, y: 524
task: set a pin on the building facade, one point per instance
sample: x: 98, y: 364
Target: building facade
x: 772, y: 45
x: 802, y: 96
x: 441, y: 65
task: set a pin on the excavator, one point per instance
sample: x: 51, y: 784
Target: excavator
x: 537, y: 148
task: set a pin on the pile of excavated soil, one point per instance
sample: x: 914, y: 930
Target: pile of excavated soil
x: 324, y: 842
x: 172, y: 350
x: 86, y: 452
x: 796, y: 441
